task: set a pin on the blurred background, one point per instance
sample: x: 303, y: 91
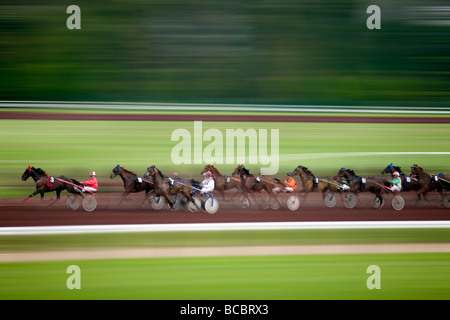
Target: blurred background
x: 288, y: 52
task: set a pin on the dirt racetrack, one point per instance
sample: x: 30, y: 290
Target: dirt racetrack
x: 14, y: 212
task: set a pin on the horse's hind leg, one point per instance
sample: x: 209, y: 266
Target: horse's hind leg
x: 234, y: 195
x: 123, y: 197
x: 191, y: 199
x: 58, y: 196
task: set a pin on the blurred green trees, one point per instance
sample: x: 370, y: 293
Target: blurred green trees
x: 294, y: 52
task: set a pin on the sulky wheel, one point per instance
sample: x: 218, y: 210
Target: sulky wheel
x: 377, y: 203
x: 210, y: 205
x: 72, y: 202
x: 293, y: 203
x: 350, y: 200
x: 330, y: 200
x: 446, y: 201
x: 157, y: 202
x: 89, y: 203
x: 274, y: 204
x: 194, y: 207
x: 244, y: 202
x: 176, y: 203
x: 398, y: 203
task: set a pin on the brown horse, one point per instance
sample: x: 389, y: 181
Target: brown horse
x: 312, y: 183
x: 166, y: 187
x: 46, y: 183
x: 251, y: 185
x: 222, y: 183
x: 429, y: 182
x: 132, y: 183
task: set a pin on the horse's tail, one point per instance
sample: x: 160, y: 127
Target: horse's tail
x: 77, y: 182
x: 195, y: 183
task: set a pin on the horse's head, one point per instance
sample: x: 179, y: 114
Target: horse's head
x: 347, y: 174
x: 206, y: 169
x: 388, y: 169
x: 298, y: 170
x: 151, y: 172
x: 237, y: 170
x: 33, y: 172
x: 342, y: 173
x: 115, y: 172
x: 416, y: 170
x: 26, y: 174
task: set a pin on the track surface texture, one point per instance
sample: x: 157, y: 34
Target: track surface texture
x: 14, y: 212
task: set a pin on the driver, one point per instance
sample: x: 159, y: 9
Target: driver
x: 91, y: 184
x: 208, y: 183
x: 396, y: 182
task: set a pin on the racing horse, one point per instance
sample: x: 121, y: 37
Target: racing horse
x: 252, y: 184
x: 131, y: 183
x: 408, y: 183
x: 46, y: 183
x: 311, y: 183
x: 222, y: 183
x: 167, y: 188
x: 358, y: 184
x: 429, y: 182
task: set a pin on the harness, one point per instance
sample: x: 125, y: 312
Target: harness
x: 363, y: 182
x: 49, y: 182
x: 315, y: 183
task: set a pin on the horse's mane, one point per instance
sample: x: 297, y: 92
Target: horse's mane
x: 351, y: 172
x: 306, y: 170
x: 419, y: 169
x: 399, y: 169
x: 39, y: 171
x: 128, y: 171
x: 212, y: 168
x: 160, y: 173
x: 195, y: 183
x: 246, y: 171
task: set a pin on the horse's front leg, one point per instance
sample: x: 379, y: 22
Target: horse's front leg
x: 123, y: 197
x: 169, y: 200
x: 32, y: 195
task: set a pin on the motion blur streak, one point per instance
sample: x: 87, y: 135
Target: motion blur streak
x: 274, y: 52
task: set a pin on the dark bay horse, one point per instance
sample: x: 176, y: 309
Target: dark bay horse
x: 167, y: 188
x: 251, y: 184
x: 131, y: 183
x: 429, y: 182
x: 358, y: 184
x: 46, y: 183
x: 222, y: 183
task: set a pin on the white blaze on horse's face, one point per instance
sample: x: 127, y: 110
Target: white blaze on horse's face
x: 229, y: 150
